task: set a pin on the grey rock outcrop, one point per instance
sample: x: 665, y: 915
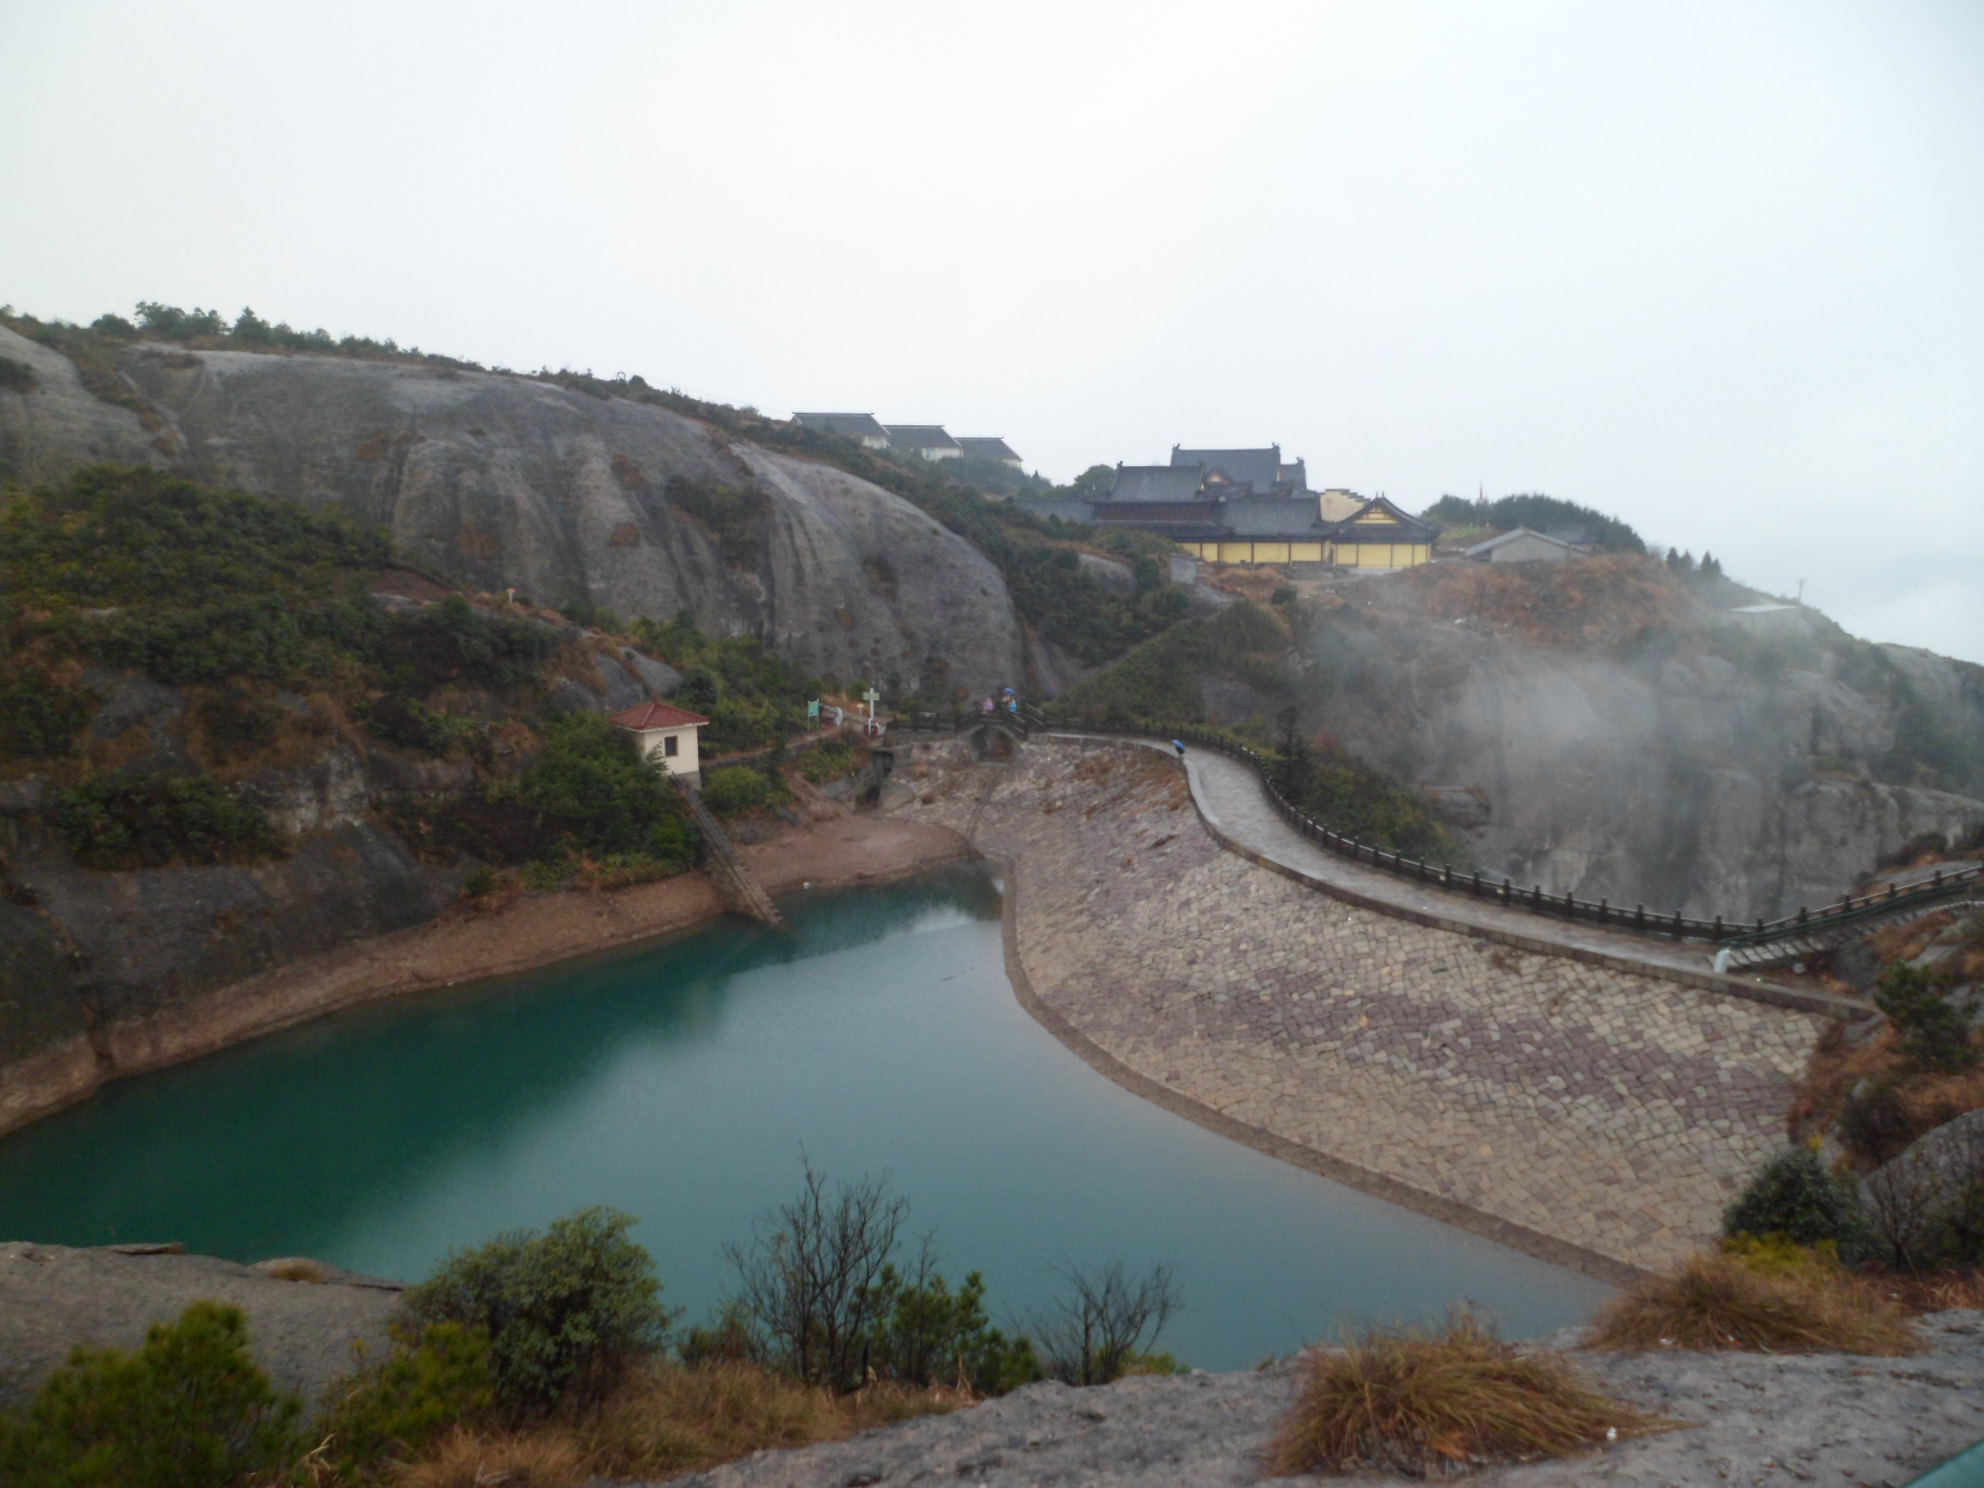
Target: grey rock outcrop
x: 500, y: 481
x: 1773, y: 1421
x: 1685, y: 783
x: 54, y: 1299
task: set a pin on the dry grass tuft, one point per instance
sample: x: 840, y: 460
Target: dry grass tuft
x: 1937, y: 1291
x: 1431, y: 1402
x: 1717, y: 1302
x: 670, y: 1418
x: 295, y: 1268
x: 485, y: 1459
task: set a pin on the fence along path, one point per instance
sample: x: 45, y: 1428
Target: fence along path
x: 1230, y: 798
x: 1750, y: 944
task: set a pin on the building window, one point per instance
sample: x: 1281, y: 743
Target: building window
x: 671, y: 745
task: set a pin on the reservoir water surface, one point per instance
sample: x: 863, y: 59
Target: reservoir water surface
x: 683, y: 1083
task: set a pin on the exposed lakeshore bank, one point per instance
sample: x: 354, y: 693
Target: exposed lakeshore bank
x: 1593, y: 1116
x: 464, y: 945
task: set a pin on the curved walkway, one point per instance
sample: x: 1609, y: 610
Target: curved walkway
x: 1596, y: 1113
x: 1229, y: 800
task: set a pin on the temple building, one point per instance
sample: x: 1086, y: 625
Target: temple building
x: 864, y: 428
x: 1251, y: 506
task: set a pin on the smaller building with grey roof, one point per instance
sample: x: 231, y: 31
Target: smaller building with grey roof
x: 990, y: 449
x: 928, y: 440
x: 862, y: 427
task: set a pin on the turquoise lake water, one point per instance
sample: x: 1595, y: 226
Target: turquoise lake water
x: 683, y: 1083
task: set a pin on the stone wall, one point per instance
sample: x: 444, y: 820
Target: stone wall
x: 1594, y: 1116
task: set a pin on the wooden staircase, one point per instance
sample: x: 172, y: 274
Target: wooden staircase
x: 742, y: 893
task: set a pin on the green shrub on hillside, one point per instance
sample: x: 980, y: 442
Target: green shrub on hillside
x: 751, y: 695
x: 1160, y: 679
x: 148, y: 820
x: 732, y: 514
x: 432, y: 1379
x: 190, y: 1409
x: 821, y: 1296
x: 39, y: 718
x: 1348, y: 795
x: 591, y: 781
x: 1539, y: 514
x: 1934, y: 1032
x: 1794, y: 1196
x: 734, y: 788
x: 827, y: 760
x: 566, y: 1311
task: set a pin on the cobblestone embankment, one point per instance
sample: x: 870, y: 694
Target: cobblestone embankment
x: 1595, y: 1117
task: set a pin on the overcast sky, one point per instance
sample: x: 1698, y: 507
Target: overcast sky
x: 1717, y: 268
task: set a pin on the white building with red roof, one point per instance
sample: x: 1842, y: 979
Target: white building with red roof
x: 666, y: 733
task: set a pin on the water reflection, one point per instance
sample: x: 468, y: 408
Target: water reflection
x: 681, y: 1082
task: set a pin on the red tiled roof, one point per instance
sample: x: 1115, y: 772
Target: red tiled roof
x: 657, y: 716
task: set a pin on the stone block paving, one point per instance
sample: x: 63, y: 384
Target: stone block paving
x: 1616, y: 1112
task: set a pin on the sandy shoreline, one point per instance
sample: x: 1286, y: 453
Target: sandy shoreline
x: 465, y: 945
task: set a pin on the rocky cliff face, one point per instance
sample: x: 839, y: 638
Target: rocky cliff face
x: 1686, y: 782
x: 500, y: 481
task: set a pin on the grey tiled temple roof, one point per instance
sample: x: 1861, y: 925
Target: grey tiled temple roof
x: 1155, y: 483
x: 847, y: 425
x: 1259, y: 468
x: 920, y: 437
x: 986, y: 449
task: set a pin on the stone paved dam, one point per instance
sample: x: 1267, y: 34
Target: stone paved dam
x: 1591, y: 1112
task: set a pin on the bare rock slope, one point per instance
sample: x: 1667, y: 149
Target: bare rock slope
x: 497, y: 481
x: 1758, y: 1420
x: 1685, y: 782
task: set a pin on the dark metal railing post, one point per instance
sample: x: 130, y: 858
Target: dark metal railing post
x: 1639, y: 917
x: 1677, y: 924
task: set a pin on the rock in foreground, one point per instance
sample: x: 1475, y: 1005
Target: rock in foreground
x: 1753, y: 1420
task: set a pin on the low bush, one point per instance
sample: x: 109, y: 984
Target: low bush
x: 1721, y: 1302
x: 1794, y: 1196
x: 471, y: 1457
x: 190, y: 1409
x: 1104, y: 1328
x: 1428, y: 1403
x: 567, y: 1312
x: 237, y: 724
x: 668, y: 1419
x: 733, y: 514
x: 39, y: 717
x: 734, y: 788
x: 827, y: 760
x: 822, y: 1296
x: 433, y: 1380
x: 591, y: 781
x: 1934, y: 1033
x: 148, y: 820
